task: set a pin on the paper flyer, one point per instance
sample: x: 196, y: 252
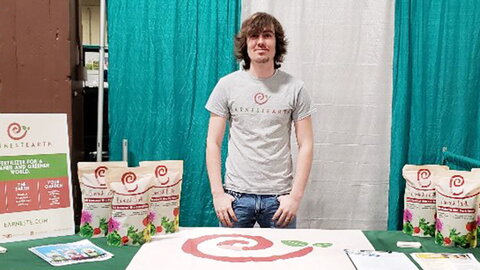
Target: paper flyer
x: 444, y: 261
x: 71, y: 253
x: 379, y: 260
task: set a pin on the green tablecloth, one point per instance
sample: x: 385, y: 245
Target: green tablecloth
x: 19, y: 257
x: 387, y: 241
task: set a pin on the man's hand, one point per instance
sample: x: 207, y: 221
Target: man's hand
x: 286, y: 211
x: 223, y: 208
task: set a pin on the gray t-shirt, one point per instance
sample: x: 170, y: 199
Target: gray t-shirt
x: 260, y: 113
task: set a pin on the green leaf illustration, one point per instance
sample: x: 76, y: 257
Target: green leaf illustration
x: 168, y: 225
x: 439, y: 238
x: 152, y: 229
x: 323, y: 245
x: 86, y: 230
x: 294, y: 243
x: 408, y: 228
x: 103, y: 225
x: 114, y: 239
x: 428, y: 229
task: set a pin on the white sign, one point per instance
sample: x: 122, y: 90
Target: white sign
x: 228, y: 248
x: 35, y: 181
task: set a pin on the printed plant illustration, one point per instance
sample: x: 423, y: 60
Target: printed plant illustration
x: 103, y: 225
x: 294, y: 243
x: 138, y: 238
x: 428, y: 229
x: 478, y: 225
x: 297, y: 243
x: 407, y: 219
x: 113, y: 238
x: 166, y: 225
x: 133, y: 237
x: 176, y: 214
x: 148, y: 223
x: 455, y: 238
x: 438, y: 235
x: 86, y: 230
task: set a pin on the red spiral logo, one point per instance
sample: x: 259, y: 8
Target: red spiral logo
x: 14, y: 131
x: 261, y: 98
x: 161, y: 171
x: 423, y: 176
x: 242, y: 243
x: 100, y: 171
x: 129, y: 178
x: 456, y: 182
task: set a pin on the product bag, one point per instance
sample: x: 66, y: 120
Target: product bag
x: 419, y: 200
x: 457, y: 208
x: 130, y: 205
x: 96, y: 197
x: 165, y: 195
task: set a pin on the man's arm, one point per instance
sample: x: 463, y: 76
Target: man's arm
x: 221, y: 200
x: 289, y: 204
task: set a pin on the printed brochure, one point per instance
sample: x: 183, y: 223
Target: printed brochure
x: 71, y: 253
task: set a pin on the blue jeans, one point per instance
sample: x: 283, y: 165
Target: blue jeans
x: 251, y: 208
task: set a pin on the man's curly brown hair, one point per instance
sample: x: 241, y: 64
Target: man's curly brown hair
x: 255, y: 25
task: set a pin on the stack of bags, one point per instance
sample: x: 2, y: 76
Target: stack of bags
x: 442, y: 203
x: 129, y: 205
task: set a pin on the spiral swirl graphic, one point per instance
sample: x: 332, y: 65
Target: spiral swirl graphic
x: 456, y: 182
x: 241, y: 243
x: 423, y: 176
x: 14, y: 131
x: 129, y: 178
x: 261, y: 98
x: 100, y: 171
x: 161, y: 170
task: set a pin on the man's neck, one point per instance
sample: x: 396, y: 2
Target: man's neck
x: 261, y: 71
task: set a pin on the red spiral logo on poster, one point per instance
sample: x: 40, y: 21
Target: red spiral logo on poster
x: 261, y: 98
x: 456, y: 183
x: 17, y: 132
x: 423, y: 176
x: 240, y: 243
x: 128, y: 179
x: 161, y: 171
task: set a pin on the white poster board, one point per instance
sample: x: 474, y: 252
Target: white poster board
x: 35, y: 181
x: 250, y: 249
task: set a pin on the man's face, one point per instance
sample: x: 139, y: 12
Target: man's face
x: 261, y: 46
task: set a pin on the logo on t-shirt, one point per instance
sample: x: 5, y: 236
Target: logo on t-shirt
x: 261, y: 98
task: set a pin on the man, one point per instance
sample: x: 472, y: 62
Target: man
x: 260, y: 103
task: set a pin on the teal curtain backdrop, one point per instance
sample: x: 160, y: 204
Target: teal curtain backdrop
x: 436, y: 86
x: 165, y: 57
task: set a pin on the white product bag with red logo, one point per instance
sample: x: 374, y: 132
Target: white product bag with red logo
x: 419, y: 200
x: 96, y: 197
x: 165, y: 197
x: 457, y: 207
x: 130, y: 205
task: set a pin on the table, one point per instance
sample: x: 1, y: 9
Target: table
x: 19, y: 257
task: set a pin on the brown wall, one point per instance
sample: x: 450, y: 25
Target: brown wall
x: 39, y: 59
